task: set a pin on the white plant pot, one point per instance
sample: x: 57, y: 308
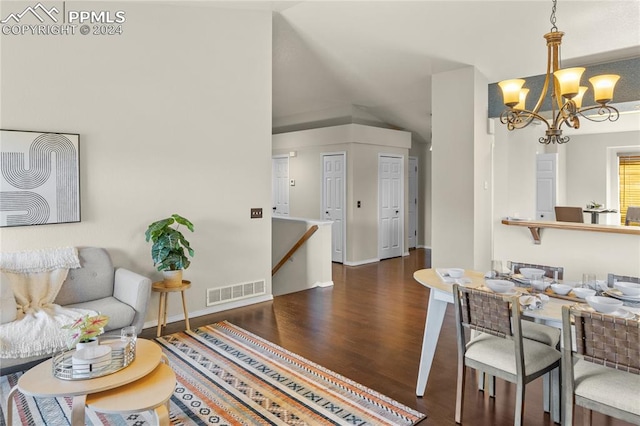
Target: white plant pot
x: 90, y: 343
x: 172, y: 278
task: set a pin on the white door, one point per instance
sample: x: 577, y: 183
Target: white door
x: 280, y: 186
x: 546, y: 182
x: 333, y: 201
x: 390, y: 202
x: 412, y: 205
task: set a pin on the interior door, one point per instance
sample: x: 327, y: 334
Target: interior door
x: 280, y: 186
x: 546, y: 182
x: 412, y: 205
x: 333, y: 201
x: 390, y: 202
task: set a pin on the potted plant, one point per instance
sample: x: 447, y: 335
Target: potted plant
x: 168, y: 248
x: 86, y: 329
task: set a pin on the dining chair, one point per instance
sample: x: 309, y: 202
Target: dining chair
x: 533, y: 331
x: 601, y: 369
x: 569, y: 214
x: 633, y: 215
x: 549, y: 271
x: 612, y: 278
x: 498, y: 348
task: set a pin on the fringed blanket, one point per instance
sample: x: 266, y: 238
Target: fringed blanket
x: 27, y: 262
x: 35, y: 277
x: 39, y: 332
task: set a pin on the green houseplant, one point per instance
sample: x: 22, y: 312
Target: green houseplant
x: 168, y: 248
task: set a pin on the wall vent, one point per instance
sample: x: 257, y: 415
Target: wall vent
x: 235, y: 292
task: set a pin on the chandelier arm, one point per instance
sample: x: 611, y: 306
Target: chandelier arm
x: 568, y: 114
x: 519, y: 119
x: 604, y: 113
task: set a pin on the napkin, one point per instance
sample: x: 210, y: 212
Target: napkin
x: 443, y: 273
x: 530, y: 302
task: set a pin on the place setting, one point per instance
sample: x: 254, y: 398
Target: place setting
x: 605, y: 305
x: 527, y: 300
x: 453, y: 276
x: 626, y: 291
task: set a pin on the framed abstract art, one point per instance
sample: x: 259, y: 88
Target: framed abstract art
x: 40, y: 178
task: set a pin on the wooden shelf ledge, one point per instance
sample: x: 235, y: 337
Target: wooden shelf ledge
x: 535, y: 227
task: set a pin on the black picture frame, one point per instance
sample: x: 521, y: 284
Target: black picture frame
x: 39, y: 178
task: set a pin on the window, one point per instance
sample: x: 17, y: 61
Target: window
x: 629, y: 178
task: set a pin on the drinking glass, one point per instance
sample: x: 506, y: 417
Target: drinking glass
x: 128, y: 334
x: 496, y: 268
x: 589, y: 281
x: 537, y: 282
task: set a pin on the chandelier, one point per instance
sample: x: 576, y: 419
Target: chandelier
x: 566, y: 95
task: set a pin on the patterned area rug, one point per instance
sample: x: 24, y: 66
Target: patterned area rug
x: 228, y: 376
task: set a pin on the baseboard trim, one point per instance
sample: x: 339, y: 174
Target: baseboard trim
x: 362, y: 262
x: 324, y: 284
x: 213, y: 309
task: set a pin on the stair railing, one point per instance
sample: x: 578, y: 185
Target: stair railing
x: 295, y: 247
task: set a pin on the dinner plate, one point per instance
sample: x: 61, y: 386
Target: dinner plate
x: 521, y: 279
x: 619, y: 295
x: 620, y: 313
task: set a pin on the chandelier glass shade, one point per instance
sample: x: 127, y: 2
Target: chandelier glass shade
x: 566, y: 95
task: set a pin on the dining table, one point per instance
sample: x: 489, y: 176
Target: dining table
x: 441, y: 294
x: 595, y: 212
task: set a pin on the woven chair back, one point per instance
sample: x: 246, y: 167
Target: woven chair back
x: 608, y: 340
x: 549, y: 271
x: 612, y: 278
x: 486, y: 312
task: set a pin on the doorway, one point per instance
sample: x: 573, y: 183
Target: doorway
x: 280, y: 185
x: 390, y: 206
x: 333, y: 201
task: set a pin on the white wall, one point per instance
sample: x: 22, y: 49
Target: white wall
x: 362, y: 144
x: 174, y: 116
x: 461, y: 164
x: 588, y: 170
x: 310, y: 266
x: 585, y: 161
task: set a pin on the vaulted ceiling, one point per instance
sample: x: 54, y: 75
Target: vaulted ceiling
x: 379, y: 56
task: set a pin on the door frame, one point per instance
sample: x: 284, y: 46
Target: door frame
x: 403, y: 207
x: 417, y: 188
x: 344, y: 199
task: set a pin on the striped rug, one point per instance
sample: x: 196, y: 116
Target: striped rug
x: 229, y: 376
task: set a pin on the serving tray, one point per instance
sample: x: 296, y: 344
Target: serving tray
x: 121, y: 356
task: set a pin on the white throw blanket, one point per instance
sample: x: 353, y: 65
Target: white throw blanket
x: 36, y: 278
x: 45, y: 260
x: 39, y: 332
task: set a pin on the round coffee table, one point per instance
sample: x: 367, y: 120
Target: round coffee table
x: 40, y: 381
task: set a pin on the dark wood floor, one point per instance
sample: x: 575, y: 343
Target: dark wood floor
x: 368, y: 327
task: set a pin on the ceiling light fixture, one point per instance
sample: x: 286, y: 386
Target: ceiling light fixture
x: 566, y: 95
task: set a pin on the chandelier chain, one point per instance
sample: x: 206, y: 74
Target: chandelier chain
x: 553, y: 17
